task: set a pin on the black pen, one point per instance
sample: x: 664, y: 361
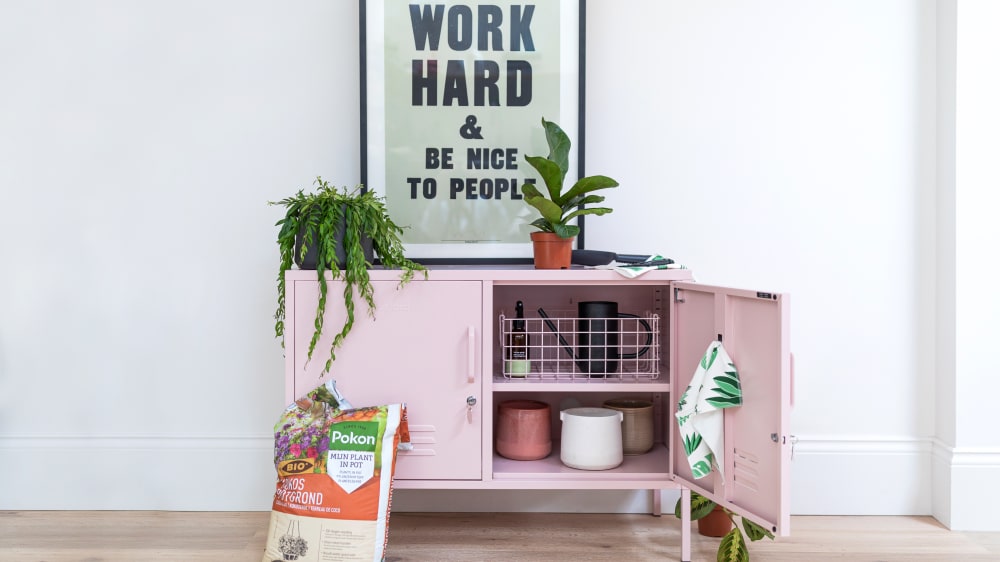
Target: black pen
x: 654, y: 263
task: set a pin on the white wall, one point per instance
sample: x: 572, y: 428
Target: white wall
x: 795, y: 152
x: 140, y: 144
x: 783, y: 145
x: 967, y: 459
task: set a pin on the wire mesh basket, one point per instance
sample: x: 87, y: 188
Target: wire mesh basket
x: 569, y: 347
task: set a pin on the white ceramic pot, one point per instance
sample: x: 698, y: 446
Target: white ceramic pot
x: 591, y: 438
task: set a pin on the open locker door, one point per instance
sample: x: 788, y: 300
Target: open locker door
x: 754, y: 330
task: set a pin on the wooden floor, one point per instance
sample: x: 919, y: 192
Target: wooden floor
x: 139, y: 536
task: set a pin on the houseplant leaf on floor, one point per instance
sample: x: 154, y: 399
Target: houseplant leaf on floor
x: 322, y: 220
x: 556, y: 207
x: 733, y: 546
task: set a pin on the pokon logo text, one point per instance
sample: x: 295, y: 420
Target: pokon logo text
x: 352, y: 439
x: 488, y: 28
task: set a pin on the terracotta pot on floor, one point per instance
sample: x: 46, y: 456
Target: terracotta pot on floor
x: 551, y: 250
x: 715, y: 524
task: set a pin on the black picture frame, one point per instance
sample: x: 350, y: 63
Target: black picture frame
x: 398, y: 138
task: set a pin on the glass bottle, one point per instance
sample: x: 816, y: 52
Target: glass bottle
x: 518, y: 344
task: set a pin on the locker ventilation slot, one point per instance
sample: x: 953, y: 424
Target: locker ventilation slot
x: 746, y: 468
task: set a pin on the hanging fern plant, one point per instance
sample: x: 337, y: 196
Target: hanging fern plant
x: 338, y: 230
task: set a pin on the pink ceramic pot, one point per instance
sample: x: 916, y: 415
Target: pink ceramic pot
x: 524, y: 430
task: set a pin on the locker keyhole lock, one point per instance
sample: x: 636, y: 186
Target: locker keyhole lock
x: 469, y: 403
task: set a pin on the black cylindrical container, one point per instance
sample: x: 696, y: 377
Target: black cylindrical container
x: 597, y: 337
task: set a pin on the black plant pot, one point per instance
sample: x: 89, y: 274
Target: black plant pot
x: 310, y: 260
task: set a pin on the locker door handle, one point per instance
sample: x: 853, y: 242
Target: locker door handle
x: 472, y: 354
x: 791, y: 379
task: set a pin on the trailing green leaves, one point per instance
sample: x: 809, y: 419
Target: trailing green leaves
x: 316, y: 219
x: 733, y: 546
x: 700, y: 506
x: 754, y: 531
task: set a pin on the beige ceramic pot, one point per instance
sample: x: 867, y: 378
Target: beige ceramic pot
x: 637, y: 424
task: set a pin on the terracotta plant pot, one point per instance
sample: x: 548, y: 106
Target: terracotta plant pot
x: 551, y: 250
x: 715, y: 524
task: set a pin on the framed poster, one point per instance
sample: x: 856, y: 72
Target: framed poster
x: 452, y: 100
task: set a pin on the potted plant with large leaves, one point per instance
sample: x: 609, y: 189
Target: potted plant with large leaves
x: 733, y: 547
x: 337, y: 230
x: 558, y: 208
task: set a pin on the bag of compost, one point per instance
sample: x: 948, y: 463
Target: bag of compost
x: 334, y: 492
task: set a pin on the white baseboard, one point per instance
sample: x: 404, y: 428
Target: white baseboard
x: 850, y: 476
x: 136, y: 473
x: 830, y: 476
x: 966, y: 480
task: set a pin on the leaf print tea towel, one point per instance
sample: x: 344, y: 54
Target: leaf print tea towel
x: 633, y: 270
x: 714, y: 386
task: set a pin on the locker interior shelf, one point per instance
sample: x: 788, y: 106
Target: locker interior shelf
x: 536, y: 384
x: 650, y: 466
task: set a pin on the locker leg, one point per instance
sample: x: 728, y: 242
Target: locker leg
x: 657, y: 502
x: 685, y: 525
